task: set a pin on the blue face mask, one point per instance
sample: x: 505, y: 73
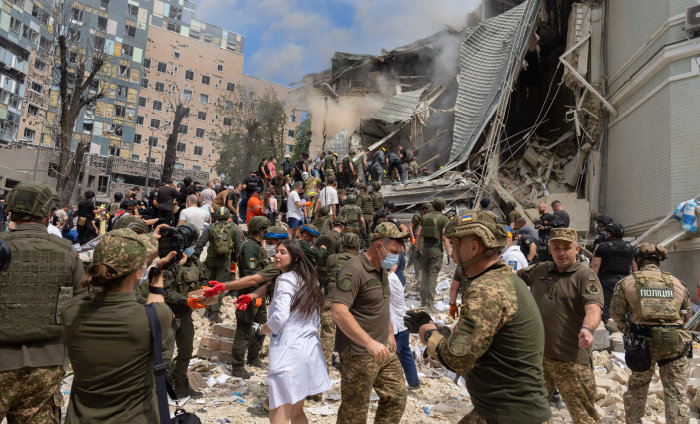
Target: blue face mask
x: 390, y: 260
x: 189, y: 251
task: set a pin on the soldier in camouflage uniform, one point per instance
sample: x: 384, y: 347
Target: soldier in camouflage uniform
x: 354, y: 222
x: 498, y: 341
x: 323, y: 220
x: 365, y: 339
x: 431, y: 234
x: 178, y: 281
x: 348, y: 170
x: 307, y: 235
x: 330, y: 243
x: 512, y: 215
x: 658, y: 305
x: 43, y: 274
x: 377, y: 195
x: 365, y: 201
x: 416, y: 245
x: 329, y: 165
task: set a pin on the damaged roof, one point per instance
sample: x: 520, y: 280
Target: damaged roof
x: 401, y: 107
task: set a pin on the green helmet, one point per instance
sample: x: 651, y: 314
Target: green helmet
x: 351, y: 199
x: 438, y: 203
x: 258, y: 223
x: 276, y: 232
x: 480, y: 223
x: 428, y: 206
x: 133, y: 222
x: 222, y: 213
x: 361, y: 185
x: 33, y: 199
x: 324, y: 210
x: 650, y: 251
x: 350, y: 240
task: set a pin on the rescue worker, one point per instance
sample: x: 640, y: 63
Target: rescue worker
x: 657, y: 304
x: 612, y: 261
x: 416, y: 245
x: 601, y: 222
x: 377, y: 195
x: 366, y: 203
x: 365, y: 339
x: 498, y: 341
x: 570, y: 300
x: 116, y: 205
x: 225, y: 240
x: 329, y: 167
x: 377, y: 167
x: 251, y: 259
x: 431, y: 234
x: 361, y: 165
x: 348, y: 170
x: 511, y: 213
x: 354, y: 222
x: 330, y: 243
x: 43, y: 274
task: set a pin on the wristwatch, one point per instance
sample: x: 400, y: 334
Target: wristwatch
x: 157, y: 290
x: 427, y: 334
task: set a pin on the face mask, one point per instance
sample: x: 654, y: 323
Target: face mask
x: 271, y: 250
x: 189, y: 251
x: 390, y: 260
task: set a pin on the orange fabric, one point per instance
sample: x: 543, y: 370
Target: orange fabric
x: 255, y: 208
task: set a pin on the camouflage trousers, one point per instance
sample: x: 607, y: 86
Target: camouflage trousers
x: 31, y: 395
x: 358, y: 375
x: 474, y: 418
x: 576, y: 384
x: 327, y: 333
x: 674, y: 378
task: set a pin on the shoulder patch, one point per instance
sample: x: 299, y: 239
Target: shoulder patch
x: 460, y: 341
x: 592, y: 286
x: 345, y: 284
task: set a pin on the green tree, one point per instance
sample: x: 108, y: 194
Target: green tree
x: 302, y: 138
x: 252, y: 130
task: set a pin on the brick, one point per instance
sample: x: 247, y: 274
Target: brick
x: 204, y: 353
x: 224, y: 330
x: 225, y: 357
x: 211, y: 342
x: 226, y: 345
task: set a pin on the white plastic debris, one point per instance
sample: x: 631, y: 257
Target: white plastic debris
x: 325, y: 410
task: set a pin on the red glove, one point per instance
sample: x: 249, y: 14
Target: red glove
x: 234, y: 267
x: 193, y: 303
x: 215, y: 289
x: 242, y: 302
x: 454, y: 311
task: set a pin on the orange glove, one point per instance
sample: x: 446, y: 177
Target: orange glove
x: 413, y: 240
x: 194, y: 303
x: 697, y: 292
x: 454, y: 311
x: 234, y: 267
x: 309, y: 204
x: 258, y: 302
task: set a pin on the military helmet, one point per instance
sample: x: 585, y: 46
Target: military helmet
x: 615, y: 229
x: 118, y: 196
x: 32, y: 198
x: 376, y: 185
x: 324, y: 210
x: 135, y: 223
x: 650, y: 251
x: 482, y: 224
x: 604, y: 219
x: 276, y: 232
x: 428, y: 206
x: 389, y: 204
x: 222, y: 213
x: 361, y: 185
x: 258, y: 223
x: 311, y: 229
x: 510, y: 205
x: 351, y: 199
x: 439, y: 203
x: 350, y: 240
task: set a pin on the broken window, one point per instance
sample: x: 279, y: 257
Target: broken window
x: 124, y: 71
x: 101, y: 23
x: 119, y: 111
x: 77, y: 15
x: 227, y: 122
x: 122, y: 91
x: 32, y: 110
x: 132, y: 10
x: 129, y: 30
x: 186, y: 94
x: 175, y: 12
x: 173, y: 27
x: 127, y: 50
x: 87, y: 127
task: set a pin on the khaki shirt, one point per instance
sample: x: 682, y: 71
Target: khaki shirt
x: 365, y: 290
x: 561, y: 297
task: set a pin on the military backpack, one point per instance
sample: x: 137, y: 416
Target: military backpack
x: 221, y: 240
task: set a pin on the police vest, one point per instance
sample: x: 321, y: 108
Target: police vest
x: 431, y: 230
x: 657, y: 301
x: 367, y: 205
x: 37, y: 283
x: 617, y: 259
x: 352, y: 213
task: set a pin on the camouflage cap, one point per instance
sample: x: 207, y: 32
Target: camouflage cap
x: 480, y: 223
x: 258, y: 223
x: 135, y: 223
x: 563, y: 234
x: 32, y: 198
x: 124, y: 250
x: 350, y: 240
x: 324, y: 210
x: 387, y: 230
x: 276, y: 232
x: 376, y: 185
x: 361, y: 185
x: 650, y: 251
x: 310, y: 228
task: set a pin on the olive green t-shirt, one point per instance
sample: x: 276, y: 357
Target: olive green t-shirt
x: 365, y: 290
x: 561, y: 298
x: 109, y: 346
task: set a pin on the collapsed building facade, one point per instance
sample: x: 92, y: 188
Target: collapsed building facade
x: 586, y: 102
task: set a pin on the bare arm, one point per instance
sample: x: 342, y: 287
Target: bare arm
x: 590, y: 321
x: 633, y: 265
x: 349, y: 326
x: 595, y: 264
x: 532, y: 253
x: 245, y: 282
x: 454, y: 288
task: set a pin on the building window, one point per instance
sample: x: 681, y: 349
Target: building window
x: 230, y: 86
x: 137, y: 139
x: 208, y: 38
x: 176, y: 54
x: 199, y: 133
x: 33, y: 110
x: 132, y: 10
x: 159, y: 86
x: 187, y: 94
x: 292, y: 118
x: 147, y: 63
x: 157, y: 105
x: 202, y: 115
x: 194, y: 33
x: 206, y: 80
x: 172, y: 26
x: 227, y: 122
x: 181, y: 147
x: 183, y: 129
x: 220, y: 67
x: 198, y: 150
x: 124, y: 71
x: 99, y: 43
x: 155, y: 123
x: 175, y: 13
x: 122, y: 91
x: 203, y: 98
x: 196, y: 167
x: 228, y: 104
x: 29, y: 134
x: 127, y: 50
x: 189, y: 75
x: 76, y: 14
x: 153, y: 142
x: 144, y: 82
x: 142, y: 101
x: 162, y: 67
x: 101, y: 23
x: 230, y: 45
x: 139, y: 120
x: 103, y: 180
x: 119, y: 111
x: 135, y: 157
x: 129, y: 30
x: 104, y: 4
x: 290, y: 133
x: 36, y: 87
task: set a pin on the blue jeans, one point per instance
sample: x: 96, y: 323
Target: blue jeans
x: 399, y: 269
x: 403, y: 349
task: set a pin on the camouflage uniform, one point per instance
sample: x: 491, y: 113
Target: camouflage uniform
x: 673, y: 361
x: 432, y: 228
x: 31, y: 395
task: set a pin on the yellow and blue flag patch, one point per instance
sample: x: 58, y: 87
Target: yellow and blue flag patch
x: 466, y: 218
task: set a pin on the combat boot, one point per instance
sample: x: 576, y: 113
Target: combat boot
x: 257, y: 362
x: 241, y: 372
x: 183, y: 390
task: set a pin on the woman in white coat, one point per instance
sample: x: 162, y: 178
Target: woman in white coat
x: 297, y: 368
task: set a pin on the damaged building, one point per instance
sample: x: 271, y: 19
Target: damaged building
x: 586, y: 102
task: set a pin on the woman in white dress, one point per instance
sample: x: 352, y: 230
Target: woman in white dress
x: 297, y: 368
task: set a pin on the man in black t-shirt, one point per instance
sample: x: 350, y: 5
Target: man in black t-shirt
x: 559, y: 212
x: 165, y: 197
x: 86, y: 215
x: 300, y: 167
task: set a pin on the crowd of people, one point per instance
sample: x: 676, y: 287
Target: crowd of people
x: 313, y: 259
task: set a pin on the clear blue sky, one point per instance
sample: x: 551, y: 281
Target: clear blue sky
x: 286, y: 39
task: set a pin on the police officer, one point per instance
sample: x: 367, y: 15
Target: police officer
x: 601, y: 222
x: 570, y: 300
x: 365, y: 339
x: 612, y: 261
x: 377, y: 167
x: 431, y: 233
x: 366, y: 203
x: 657, y: 304
x: 251, y: 259
x: 354, y: 222
x: 498, y: 340
x: 43, y: 274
